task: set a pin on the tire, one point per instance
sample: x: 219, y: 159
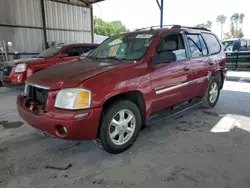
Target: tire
x: 208, y: 100
x: 120, y: 125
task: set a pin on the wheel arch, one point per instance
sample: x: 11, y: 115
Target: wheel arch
x: 135, y: 96
x: 220, y: 76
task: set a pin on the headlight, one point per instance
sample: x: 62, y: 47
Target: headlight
x: 25, y: 92
x: 21, y: 68
x: 73, y: 99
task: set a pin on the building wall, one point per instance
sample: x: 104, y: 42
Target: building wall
x: 73, y: 22
x: 21, y: 22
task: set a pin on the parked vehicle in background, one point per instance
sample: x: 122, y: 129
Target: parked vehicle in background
x: 128, y: 81
x: 237, y: 53
x: 16, y: 72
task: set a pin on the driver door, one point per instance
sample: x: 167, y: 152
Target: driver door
x: 170, y: 80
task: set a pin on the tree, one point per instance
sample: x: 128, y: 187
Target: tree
x: 207, y: 25
x: 108, y: 28
x: 221, y: 19
x: 241, y: 19
x: 237, y: 19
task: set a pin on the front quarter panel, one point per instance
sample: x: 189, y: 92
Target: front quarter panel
x: 134, y: 77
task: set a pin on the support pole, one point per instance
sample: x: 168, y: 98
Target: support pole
x: 161, y: 7
x: 44, y: 24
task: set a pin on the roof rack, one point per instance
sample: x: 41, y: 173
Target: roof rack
x: 172, y: 27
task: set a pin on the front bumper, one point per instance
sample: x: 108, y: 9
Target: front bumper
x: 84, y: 127
x: 15, y: 79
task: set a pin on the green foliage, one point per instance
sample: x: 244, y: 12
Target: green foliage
x: 221, y: 19
x: 108, y: 28
x: 236, y: 20
x: 207, y: 25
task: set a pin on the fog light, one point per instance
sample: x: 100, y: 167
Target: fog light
x: 79, y: 116
x: 61, y: 131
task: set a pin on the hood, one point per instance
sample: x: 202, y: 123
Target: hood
x: 18, y: 61
x: 71, y: 75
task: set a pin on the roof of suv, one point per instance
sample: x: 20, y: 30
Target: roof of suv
x: 169, y: 27
x: 78, y: 44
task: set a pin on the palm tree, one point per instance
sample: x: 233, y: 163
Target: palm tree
x: 235, y: 19
x: 241, y: 19
x: 221, y: 19
x: 209, y: 24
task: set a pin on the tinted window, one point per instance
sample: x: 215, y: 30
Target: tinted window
x: 243, y: 45
x: 50, y: 52
x: 195, y: 46
x: 248, y: 43
x: 213, y: 45
x: 73, y: 51
x: 177, y: 40
x: 86, y: 49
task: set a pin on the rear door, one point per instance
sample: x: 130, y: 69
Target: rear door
x: 170, y: 80
x: 199, y: 59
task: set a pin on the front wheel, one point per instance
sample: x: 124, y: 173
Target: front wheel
x: 212, y: 94
x: 120, y: 126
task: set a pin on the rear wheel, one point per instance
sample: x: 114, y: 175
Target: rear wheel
x: 212, y: 94
x: 120, y: 127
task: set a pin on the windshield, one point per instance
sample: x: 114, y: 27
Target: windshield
x: 50, y: 52
x: 228, y: 45
x: 132, y: 46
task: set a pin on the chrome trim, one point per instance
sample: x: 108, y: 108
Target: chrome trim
x: 35, y: 85
x: 180, y: 85
x: 171, y: 88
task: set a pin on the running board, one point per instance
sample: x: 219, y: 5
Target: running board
x: 170, y: 112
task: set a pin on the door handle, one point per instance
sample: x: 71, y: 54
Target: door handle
x: 210, y: 63
x: 187, y: 68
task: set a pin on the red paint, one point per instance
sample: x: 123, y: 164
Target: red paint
x: 108, y: 80
x: 37, y: 64
x: 80, y: 129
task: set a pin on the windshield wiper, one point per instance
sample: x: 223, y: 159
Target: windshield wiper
x: 115, y: 58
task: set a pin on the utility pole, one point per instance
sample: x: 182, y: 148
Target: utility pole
x: 161, y: 7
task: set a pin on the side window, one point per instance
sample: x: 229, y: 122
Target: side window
x: 195, y: 46
x: 73, y: 51
x: 203, y: 46
x: 248, y: 43
x: 243, y: 44
x: 84, y: 51
x: 174, y: 42
x: 213, y: 44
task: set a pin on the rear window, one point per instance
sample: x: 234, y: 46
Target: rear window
x: 213, y: 44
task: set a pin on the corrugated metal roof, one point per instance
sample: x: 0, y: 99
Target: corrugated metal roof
x: 94, y: 1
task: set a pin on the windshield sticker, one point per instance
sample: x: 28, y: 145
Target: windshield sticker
x: 113, y: 50
x: 144, y: 36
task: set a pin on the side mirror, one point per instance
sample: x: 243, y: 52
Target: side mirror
x: 237, y: 45
x: 163, y: 57
x: 62, y: 55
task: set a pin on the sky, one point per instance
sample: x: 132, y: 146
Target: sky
x: 145, y: 13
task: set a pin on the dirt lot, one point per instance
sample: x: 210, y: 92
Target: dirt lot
x: 178, y: 152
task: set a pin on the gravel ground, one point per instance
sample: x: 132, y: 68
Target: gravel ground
x: 178, y: 152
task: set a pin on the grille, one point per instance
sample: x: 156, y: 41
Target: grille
x: 38, y: 95
x: 7, y: 71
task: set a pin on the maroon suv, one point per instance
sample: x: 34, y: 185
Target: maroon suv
x: 126, y: 82
x: 16, y: 72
